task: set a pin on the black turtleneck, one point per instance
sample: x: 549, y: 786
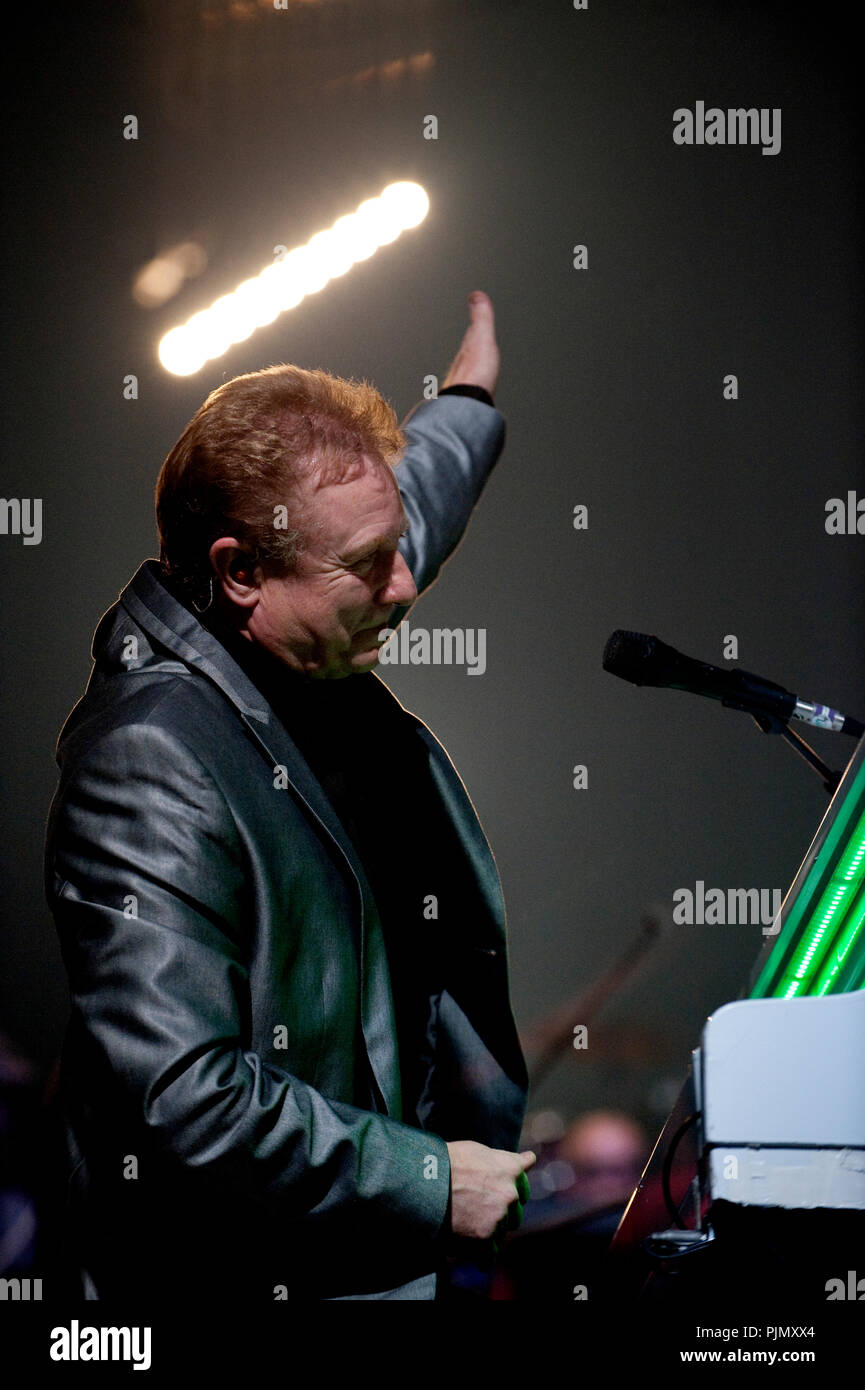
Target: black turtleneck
x: 367, y: 755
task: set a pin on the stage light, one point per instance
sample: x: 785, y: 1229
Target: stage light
x: 160, y: 279
x: 305, y: 270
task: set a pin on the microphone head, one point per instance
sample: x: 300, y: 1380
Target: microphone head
x: 633, y: 656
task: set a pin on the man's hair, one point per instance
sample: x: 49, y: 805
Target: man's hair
x: 240, y: 459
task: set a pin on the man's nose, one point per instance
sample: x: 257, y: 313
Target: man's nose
x: 399, y: 587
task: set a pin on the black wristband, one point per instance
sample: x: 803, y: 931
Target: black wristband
x: 479, y: 393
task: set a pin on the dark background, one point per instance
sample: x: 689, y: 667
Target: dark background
x: 706, y: 516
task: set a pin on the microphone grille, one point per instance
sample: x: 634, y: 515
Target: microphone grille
x: 628, y: 654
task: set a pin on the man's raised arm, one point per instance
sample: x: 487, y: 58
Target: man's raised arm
x: 453, y: 444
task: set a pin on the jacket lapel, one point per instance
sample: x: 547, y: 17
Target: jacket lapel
x: 160, y: 615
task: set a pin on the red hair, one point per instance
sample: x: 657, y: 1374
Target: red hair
x: 236, y: 466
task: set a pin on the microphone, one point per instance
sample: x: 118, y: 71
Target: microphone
x: 643, y: 659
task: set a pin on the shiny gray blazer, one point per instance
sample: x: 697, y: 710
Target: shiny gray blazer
x: 230, y: 1077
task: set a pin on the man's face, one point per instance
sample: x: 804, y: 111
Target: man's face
x: 325, y: 618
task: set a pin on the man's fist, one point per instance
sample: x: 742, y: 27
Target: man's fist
x: 477, y: 361
x: 485, y: 1186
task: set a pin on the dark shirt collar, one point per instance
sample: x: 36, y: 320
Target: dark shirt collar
x: 292, y: 695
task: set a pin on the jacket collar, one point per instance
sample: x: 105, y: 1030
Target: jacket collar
x: 147, y: 599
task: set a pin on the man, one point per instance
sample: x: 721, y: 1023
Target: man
x: 291, y: 1069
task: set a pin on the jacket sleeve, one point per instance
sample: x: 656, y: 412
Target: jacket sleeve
x: 147, y: 883
x: 453, y: 443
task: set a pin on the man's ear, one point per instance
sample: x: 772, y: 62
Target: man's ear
x: 237, y: 576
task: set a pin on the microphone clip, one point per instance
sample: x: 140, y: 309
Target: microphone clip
x: 771, y: 724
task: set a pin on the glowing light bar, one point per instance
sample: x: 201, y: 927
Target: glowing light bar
x: 282, y: 285
x: 831, y: 928
x: 820, y: 948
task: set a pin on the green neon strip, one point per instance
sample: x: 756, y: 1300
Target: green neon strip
x: 820, y: 947
x: 831, y: 922
x: 856, y: 919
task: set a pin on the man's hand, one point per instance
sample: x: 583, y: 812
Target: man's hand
x: 488, y: 1188
x: 477, y: 361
